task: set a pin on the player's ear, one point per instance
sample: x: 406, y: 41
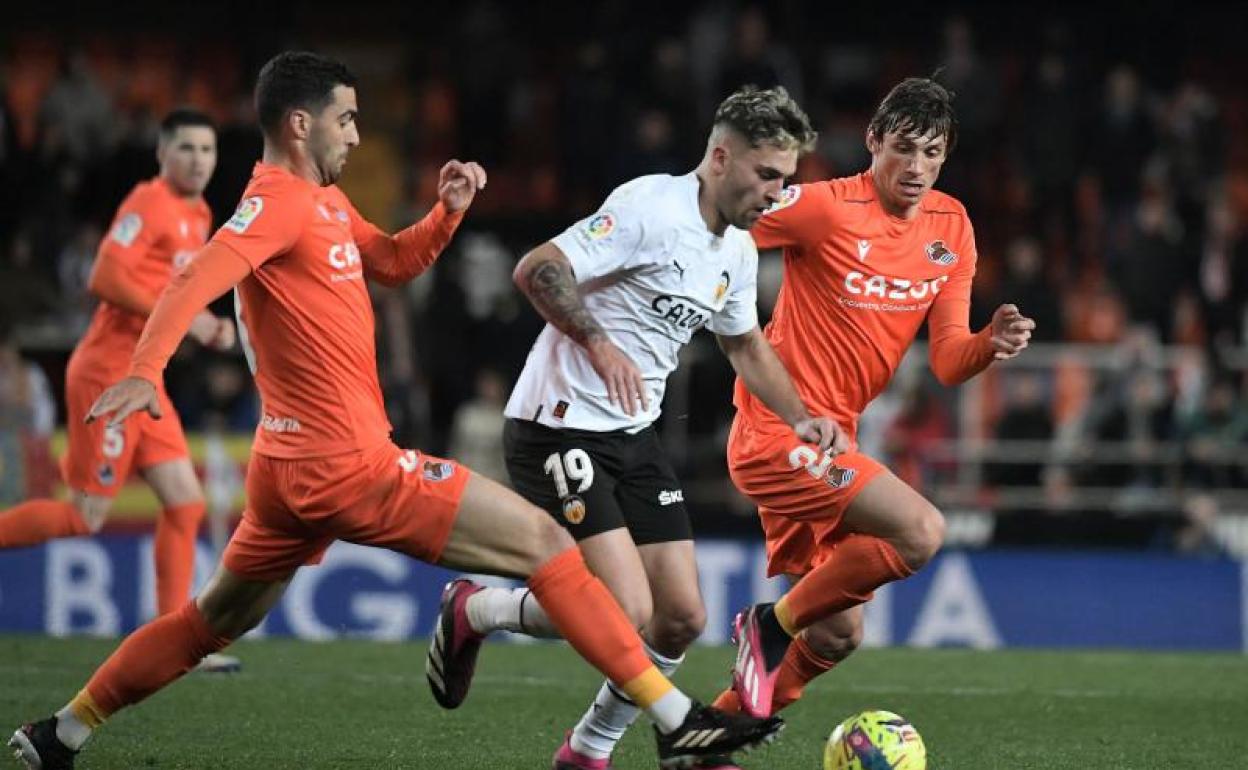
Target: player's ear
x: 873, y: 142
x: 300, y: 122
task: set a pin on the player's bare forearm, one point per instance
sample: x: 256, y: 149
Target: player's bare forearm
x: 763, y: 373
x: 546, y: 278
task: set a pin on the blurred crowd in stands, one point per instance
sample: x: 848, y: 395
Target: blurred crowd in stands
x: 1103, y: 159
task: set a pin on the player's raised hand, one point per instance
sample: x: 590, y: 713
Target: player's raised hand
x: 1011, y: 331
x: 458, y: 184
x: 124, y: 399
x: 625, y: 386
x: 824, y: 432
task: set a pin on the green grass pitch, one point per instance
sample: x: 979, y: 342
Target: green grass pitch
x: 360, y: 704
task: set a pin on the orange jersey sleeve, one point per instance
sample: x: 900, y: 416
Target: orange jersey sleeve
x: 395, y: 259
x: 154, y: 234
x: 213, y: 272
x: 803, y: 216
x: 267, y: 222
x: 955, y: 354
x: 110, y: 281
x: 118, y: 276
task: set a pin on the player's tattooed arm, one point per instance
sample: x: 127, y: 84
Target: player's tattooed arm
x: 546, y: 278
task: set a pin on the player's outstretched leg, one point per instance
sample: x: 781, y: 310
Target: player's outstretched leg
x: 895, y: 531
x: 148, y: 660
x: 496, y: 531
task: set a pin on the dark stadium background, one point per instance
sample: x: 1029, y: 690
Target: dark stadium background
x: 1103, y: 158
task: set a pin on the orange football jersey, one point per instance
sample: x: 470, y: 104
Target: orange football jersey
x: 858, y: 283
x: 154, y: 233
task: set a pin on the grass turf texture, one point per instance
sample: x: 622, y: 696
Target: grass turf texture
x: 361, y: 704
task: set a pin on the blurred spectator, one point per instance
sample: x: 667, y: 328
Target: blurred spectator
x: 756, y: 58
x: 77, y: 117
x: 1138, y: 413
x: 1192, y: 534
x: 1027, y: 418
x: 920, y: 425
x: 1024, y: 285
x: 1123, y: 138
x: 27, y: 418
x: 477, y: 430
x: 1217, y: 437
x: 1151, y: 268
x: 1224, y: 274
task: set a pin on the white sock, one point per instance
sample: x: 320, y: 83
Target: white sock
x: 508, y: 609
x: 670, y: 710
x: 612, y: 712
x: 70, y: 730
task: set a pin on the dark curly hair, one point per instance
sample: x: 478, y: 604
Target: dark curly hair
x: 766, y: 116
x: 917, y: 106
x: 297, y: 80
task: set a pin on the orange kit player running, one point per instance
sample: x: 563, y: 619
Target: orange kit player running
x: 323, y: 467
x: 866, y: 260
x: 157, y: 229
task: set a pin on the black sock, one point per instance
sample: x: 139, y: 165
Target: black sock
x: 775, y: 639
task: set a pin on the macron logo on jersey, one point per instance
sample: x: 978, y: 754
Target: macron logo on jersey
x: 245, y: 214
x: 127, y: 229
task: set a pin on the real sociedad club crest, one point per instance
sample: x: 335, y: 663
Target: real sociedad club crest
x: 788, y: 196
x: 940, y: 254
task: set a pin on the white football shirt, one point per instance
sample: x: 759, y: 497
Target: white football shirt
x: 652, y: 274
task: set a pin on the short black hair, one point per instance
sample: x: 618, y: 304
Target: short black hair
x: 297, y: 80
x: 917, y: 106
x: 184, y: 116
x: 766, y: 116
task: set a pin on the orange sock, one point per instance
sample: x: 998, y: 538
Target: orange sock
x: 591, y: 620
x: 148, y: 660
x: 859, y: 565
x: 38, y: 521
x: 801, y: 665
x: 174, y: 554
x: 728, y: 701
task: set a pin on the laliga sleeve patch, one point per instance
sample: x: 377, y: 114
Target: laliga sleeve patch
x: 788, y: 196
x: 127, y: 229
x: 600, y: 226
x: 245, y: 214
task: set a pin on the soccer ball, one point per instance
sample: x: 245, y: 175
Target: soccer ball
x: 875, y: 740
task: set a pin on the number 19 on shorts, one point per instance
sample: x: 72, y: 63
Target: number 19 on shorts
x: 573, y: 464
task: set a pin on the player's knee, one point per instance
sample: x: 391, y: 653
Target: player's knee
x: 923, y: 537
x: 833, y: 642
x: 639, y: 608
x: 543, y: 540
x: 677, y: 628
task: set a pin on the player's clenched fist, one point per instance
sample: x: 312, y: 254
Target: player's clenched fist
x: 124, y: 399
x: 458, y: 183
x: 1010, y: 332
x: 824, y: 432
